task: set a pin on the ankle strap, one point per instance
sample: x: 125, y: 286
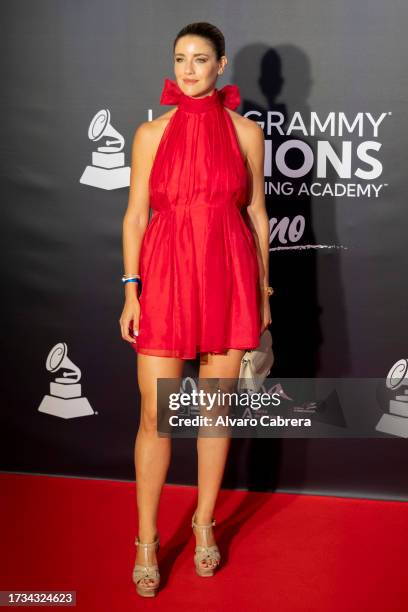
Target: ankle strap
x: 139, y: 543
x: 194, y: 524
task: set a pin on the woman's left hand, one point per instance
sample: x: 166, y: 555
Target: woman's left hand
x: 266, y: 318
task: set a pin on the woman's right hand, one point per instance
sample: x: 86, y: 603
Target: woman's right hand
x: 130, y: 319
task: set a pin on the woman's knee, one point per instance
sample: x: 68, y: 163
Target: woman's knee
x: 150, y: 369
x: 148, y: 417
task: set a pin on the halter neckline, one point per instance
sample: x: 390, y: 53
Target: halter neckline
x: 192, y: 104
x: 228, y: 95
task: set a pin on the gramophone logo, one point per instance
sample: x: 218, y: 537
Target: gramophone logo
x: 65, y: 399
x: 396, y: 423
x: 108, y: 170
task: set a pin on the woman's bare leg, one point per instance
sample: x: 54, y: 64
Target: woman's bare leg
x: 213, y: 451
x: 152, y: 453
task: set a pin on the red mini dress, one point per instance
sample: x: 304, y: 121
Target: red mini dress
x: 198, y: 259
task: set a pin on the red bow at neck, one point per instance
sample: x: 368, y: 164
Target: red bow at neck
x: 229, y: 94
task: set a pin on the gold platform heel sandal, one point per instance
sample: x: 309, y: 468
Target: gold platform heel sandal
x: 207, y: 553
x: 146, y: 572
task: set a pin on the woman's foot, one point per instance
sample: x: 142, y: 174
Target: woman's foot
x: 207, y: 555
x: 146, y: 574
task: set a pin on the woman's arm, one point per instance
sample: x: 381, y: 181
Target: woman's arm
x: 253, y: 144
x: 255, y: 152
x: 136, y: 217
x: 134, y: 224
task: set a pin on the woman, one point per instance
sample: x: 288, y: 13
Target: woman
x: 203, y: 272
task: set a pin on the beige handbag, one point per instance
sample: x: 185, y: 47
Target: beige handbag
x: 256, y: 364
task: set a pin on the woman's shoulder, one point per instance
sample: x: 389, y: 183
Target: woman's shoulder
x: 249, y: 132
x: 148, y: 132
x: 149, y: 128
x: 247, y: 125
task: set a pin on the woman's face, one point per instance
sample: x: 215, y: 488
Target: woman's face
x: 196, y: 66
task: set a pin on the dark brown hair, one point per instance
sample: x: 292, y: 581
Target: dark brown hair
x: 205, y: 30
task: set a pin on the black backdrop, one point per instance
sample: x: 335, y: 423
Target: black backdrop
x: 340, y: 302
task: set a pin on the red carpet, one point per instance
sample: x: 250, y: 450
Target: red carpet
x: 279, y: 551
